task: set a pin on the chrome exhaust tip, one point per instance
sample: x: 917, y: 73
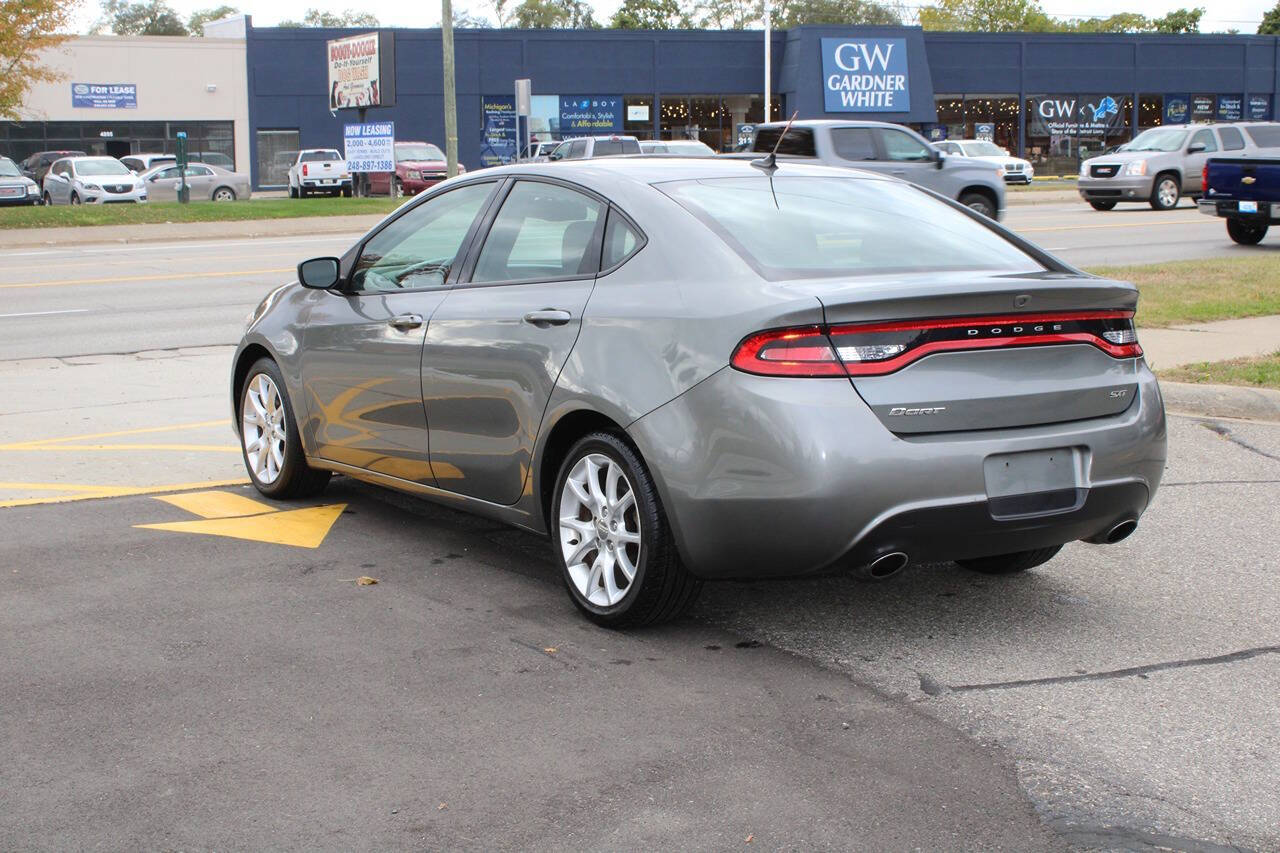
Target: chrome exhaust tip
x: 1117, y: 532
x: 885, y: 566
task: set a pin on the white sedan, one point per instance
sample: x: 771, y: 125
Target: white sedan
x: 92, y: 180
x: 1016, y: 170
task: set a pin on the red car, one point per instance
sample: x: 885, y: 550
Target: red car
x: 419, y: 165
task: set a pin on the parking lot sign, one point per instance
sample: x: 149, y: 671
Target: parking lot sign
x: 370, y: 147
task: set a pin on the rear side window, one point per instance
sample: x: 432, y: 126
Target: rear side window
x: 621, y: 241
x: 853, y: 143
x: 543, y: 231
x: 808, y: 227
x: 1265, y: 135
x: 798, y: 141
x: 1231, y: 139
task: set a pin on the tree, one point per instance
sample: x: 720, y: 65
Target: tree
x: 152, y: 18
x: 1179, y: 21
x: 27, y: 28
x: 553, y: 15
x: 730, y: 14
x: 1270, y: 25
x: 651, y: 15
x: 347, y: 18
x: 796, y: 13
x: 195, y: 24
x: 463, y: 20
x: 986, y: 16
x: 1122, y: 22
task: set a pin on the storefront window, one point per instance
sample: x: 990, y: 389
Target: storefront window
x: 637, y: 116
x: 950, y: 116
x: 1063, y: 130
x: 276, y: 150
x: 1150, y: 111
x: 118, y: 138
x: 992, y: 117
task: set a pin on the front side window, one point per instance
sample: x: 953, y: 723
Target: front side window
x: 577, y: 149
x: 853, y: 143
x: 903, y: 147
x: 418, y: 250
x: 1231, y: 139
x: 808, y: 227
x: 1205, y: 138
x: 543, y: 231
x: 164, y: 174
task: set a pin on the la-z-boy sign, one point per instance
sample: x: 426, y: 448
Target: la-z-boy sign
x: 865, y: 76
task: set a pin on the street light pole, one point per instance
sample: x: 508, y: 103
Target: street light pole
x: 450, y: 95
x: 768, y: 60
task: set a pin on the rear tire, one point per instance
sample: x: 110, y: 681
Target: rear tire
x: 346, y: 191
x: 397, y: 188
x: 1102, y: 205
x: 1166, y: 192
x: 1009, y: 564
x: 616, y: 526
x: 1246, y: 233
x: 224, y: 194
x: 979, y: 203
x: 293, y: 191
x: 282, y: 474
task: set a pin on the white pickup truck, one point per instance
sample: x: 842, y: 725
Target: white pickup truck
x: 319, y: 170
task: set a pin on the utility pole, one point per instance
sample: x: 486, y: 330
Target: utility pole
x: 768, y: 59
x: 450, y: 95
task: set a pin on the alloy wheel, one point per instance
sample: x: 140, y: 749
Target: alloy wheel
x: 600, y: 536
x: 1167, y: 193
x: 224, y: 195
x: 263, y: 429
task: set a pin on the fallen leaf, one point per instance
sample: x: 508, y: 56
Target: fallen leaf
x: 750, y: 838
x: 551, y: 650
x: 365, y: 580
x: 442, y: 807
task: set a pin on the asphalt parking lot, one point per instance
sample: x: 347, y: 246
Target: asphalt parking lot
x: 194, y: 666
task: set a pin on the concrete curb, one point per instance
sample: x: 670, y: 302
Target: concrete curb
x: 35, y: 238
x: 1221, y: 401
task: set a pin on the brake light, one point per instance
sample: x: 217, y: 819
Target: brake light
x: 1204, y: 179
x: 304, y: 170
x: 875, y: 349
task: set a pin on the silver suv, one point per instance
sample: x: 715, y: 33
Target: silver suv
x: 893, y: 150
x: 1161, y: 164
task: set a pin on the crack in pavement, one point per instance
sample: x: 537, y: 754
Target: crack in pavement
x: 1122, y: 838
x: 1224, y: 431
x: 1167, y: 485
x: 1140, y: 671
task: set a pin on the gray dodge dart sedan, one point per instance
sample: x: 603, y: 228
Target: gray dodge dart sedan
x: 683, y: 369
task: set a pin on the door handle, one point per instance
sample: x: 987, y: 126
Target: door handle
x: 899, y: 171
x: 548, y: 317
x: 406, y: 321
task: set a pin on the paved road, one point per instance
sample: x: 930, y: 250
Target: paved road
x: 123, y: 299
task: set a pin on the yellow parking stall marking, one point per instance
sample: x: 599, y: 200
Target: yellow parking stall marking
x: 238, y: 517
x: 206, y: 448
x: 81, y: 492
x: 23, y: 445
x: 66, y: 282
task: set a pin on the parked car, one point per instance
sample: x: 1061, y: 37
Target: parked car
x: 888, y: 149
x: 213, y: 158
x: 419, y: 165
x: 206, y: 183
x: 538, y: 151
x: 139, y: 163
x: 319, y: 170
x: 589, y: 147
x: 37, y: 165
x: 16, y: 188
x: 681, y: 369
x: 92, y: 180
x: 1161, y: 165
x: 677, y: 147
x: 1245, y: 190
x: 1016, y: 169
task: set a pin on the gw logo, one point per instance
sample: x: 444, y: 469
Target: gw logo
x: 855, y: 56
x: 903, y: 410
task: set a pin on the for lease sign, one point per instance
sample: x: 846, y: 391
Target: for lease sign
x: 104, y: 96
x: 353, y: 72
x: 865, y: 76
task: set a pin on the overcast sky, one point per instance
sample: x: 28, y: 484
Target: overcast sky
x: 1242, y: 15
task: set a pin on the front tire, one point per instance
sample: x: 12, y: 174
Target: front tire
x: 75, y: 199
x: 1009, y: 564
x: 1165, y: 193
x: 48, y: 200
x: 1102, y: 205
x: 269, y: 441
x: 612, y: 539
x: 980, y: 203
x: 1246, y: 233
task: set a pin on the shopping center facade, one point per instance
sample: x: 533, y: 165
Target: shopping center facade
x: 1053, y: 98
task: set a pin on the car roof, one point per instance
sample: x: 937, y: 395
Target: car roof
x: 827, y: 122
x: 647, y: 169
x: 599, y: 136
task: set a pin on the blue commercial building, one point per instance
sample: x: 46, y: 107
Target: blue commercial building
x: 1049, y: 97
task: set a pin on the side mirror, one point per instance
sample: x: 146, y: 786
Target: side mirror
x: 938, y: 157
x: 554, y: 156
x: 1195, y: 148
x: 319, y: 273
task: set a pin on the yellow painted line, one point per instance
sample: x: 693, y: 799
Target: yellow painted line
x: 90, y: 436
x: 83, y: 493
x: 299, y: 528
x: 1117, y: 225
x: 122, y: 279
x: 217, y: 504
x: 205, y: 448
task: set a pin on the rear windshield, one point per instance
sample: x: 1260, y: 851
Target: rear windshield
x: 101, y: 167
x: 1265, y: 135
x: 798, y: 141
x: 319, y: 156
x: 610, y: 147
x: 810, y: 227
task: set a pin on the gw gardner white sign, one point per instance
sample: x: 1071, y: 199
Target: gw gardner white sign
x: 865, y: 76
x: 370, y: 147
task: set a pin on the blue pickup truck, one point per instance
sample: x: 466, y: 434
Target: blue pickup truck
x: 1245, y: 190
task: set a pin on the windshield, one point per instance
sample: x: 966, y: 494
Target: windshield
x: 809, y: 227
x: 1158, y: 139
x: 419, y: 152
x: 101, y: 167
x: 319, y: 156
x: 8, y: 169
x: 983, y: 149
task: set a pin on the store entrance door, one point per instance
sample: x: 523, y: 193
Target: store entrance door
x: 118, y: 148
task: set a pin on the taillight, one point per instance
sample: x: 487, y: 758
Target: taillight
x: 1204, y: 179
x: 305, y: 167
x: 874, y: 349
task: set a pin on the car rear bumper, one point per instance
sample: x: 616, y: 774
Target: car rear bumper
x: 775, y: 477
x: 1119, y: 188
x: 325, y: 183
x: 1266, y: 213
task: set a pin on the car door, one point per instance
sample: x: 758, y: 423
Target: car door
x: 200, y: 180
x: 856, y: 147
x: 362, y: 345
x: 1193, y: 161
x: 163, y: 185
x: 495, y: 348
x: 905, y: 155
x: 58, y: 182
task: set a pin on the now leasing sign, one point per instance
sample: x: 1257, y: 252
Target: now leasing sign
x: 865, y: 76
